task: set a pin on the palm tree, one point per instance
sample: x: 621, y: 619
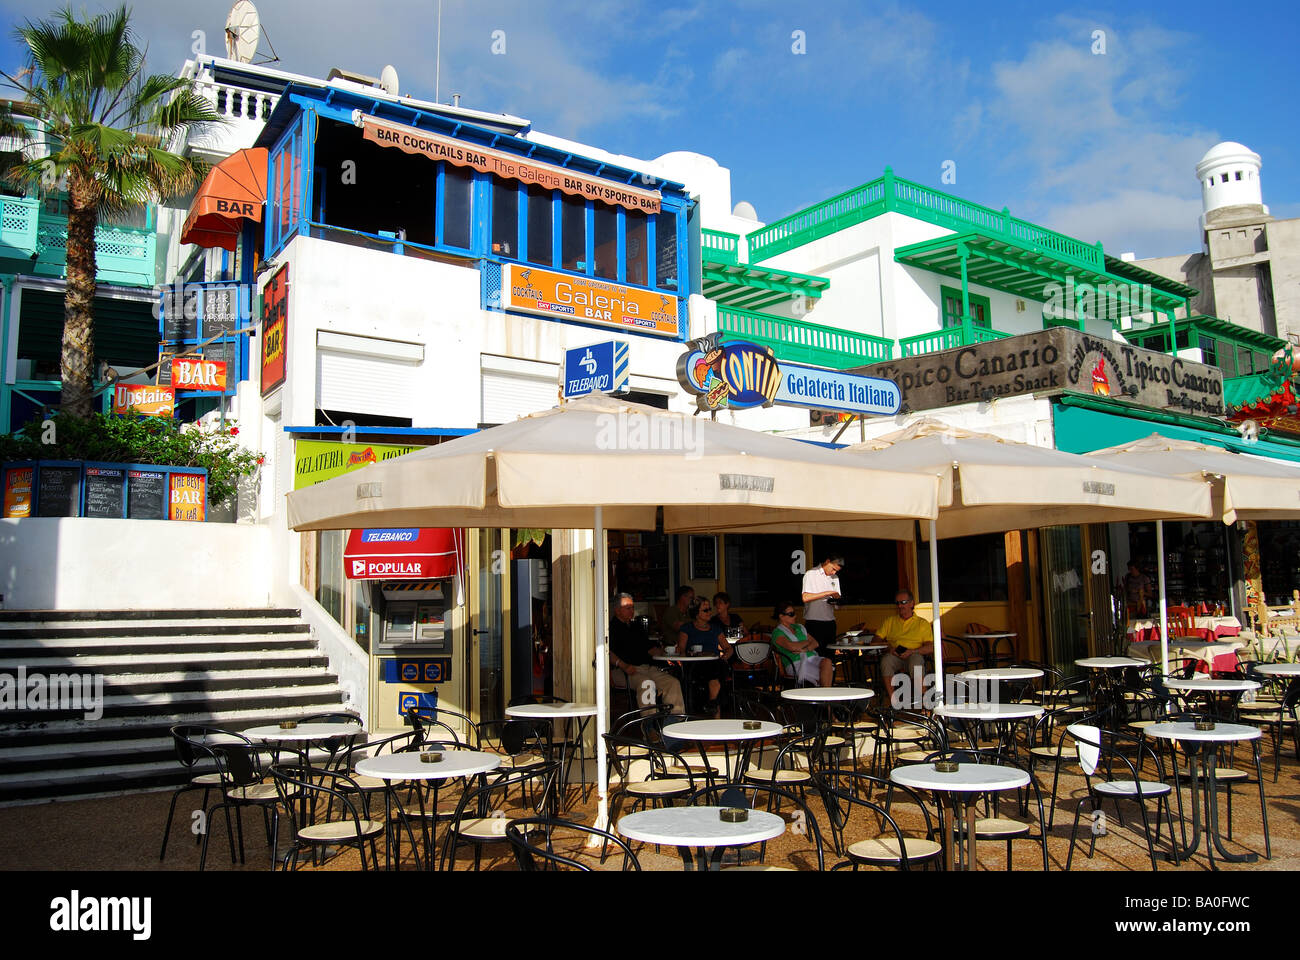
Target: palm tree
x: 103, y: 127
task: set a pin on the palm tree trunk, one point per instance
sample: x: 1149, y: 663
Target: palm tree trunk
x: 78, y: 361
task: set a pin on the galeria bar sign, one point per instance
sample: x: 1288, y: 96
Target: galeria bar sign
x: 562, y: 296
x: 1055, y: 361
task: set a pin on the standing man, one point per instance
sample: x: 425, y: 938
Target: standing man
x: 821, y: 585
x: 673, y: 618
x: 1137, y: 591
x: 630, y: 653
x: 910, y: 641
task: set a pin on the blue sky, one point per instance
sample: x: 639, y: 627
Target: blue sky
x: 1019, y: 96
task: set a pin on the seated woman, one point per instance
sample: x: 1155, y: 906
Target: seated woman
x: 795, y: 648
x: 711, y: 638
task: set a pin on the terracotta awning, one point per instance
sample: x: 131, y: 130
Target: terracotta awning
x: 402, y: 554
x: 233, y: 191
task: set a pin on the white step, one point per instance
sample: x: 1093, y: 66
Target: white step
x: 180, y: 697
x: 108, y: 661
x: 56, y: 778
x: 230, y: 718
x: 189, y: 640
x: 253, y: 673
x: 128, y: 626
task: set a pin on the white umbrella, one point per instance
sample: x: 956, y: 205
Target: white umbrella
x: 603, y: 463
x: 988, y: 484
x: 1244, y: 488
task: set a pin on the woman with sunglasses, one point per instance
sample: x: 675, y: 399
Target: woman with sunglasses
x: 711, y: 638
x: 795, y: 648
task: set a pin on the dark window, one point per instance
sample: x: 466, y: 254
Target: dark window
x: 457, y: 204
x: 573, y: 234
x: 1243, y: 360
x: 870, y: 573
x: 605, y: 234
x: 971, y: 569
x: 505, y: 217
x: 1208, y: 354
x: 541, y: 205
x: 760, y: 569
x: 666, y: 251
x: 636, y: 252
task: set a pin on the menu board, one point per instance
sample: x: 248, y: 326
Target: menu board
x: 220, y: 311
x: 105, y: 492
x: 176, y: 324
x: 18, y: 491
x: 224, y: 351
x: 146, y: 497
x: 59, y: 492
x: 164, y: 376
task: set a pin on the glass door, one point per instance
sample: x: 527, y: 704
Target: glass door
x: 1066, y: 611
x: 486, y: 647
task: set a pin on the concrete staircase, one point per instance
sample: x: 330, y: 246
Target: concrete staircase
x: 228, y: 668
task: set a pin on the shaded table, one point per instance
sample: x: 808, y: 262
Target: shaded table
x: 1231, y: 690
x: 561, y: 711
x: 856, y: 663
x: 984, y: 642
x: 1002, y: 715
x: 725, y: 732
x: 962, y: 788
x: 696, y: 830
x: 687, y: 660
x: 1202, y: 747
x: 830, y: 696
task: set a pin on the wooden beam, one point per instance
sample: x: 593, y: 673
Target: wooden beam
x: 1017, y: 621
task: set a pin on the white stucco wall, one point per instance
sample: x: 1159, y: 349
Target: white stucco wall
x: 77, y: 563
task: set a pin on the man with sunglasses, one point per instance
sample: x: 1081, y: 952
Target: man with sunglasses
x: 910, y: 641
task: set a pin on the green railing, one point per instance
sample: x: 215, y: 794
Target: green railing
x: 889, y: 193
x: 721, y: 247
x: 18, y: 217
x: 947, y: 339
x: 801, y: 342
x: 122, y: 254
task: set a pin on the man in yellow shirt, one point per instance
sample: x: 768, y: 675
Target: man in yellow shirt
x: 910, y: 641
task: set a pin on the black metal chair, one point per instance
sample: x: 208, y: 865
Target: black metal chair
x: 844, y: 790
x: 533, y: 840
x: 993, y: 826
x: 190, y: 758
x: 746, y: 795
x: 482, y: 814
x: 354, y: 828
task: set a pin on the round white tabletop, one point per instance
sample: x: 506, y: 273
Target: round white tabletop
x: 1211, y: 685
x: 827, y: 694
x: 1111, y: 663
x: 688, y: 657
x: 1278, y: 669
x: 988, y: 636
x: 551, y: 711
x: 304, y: 731
x: 861, y: 647
x: 989, y: 711
x: 699, y: 827
x: 409, y: 766
x: 1188, y: 731
x: 969, y: 777
x: 720, y: 730
x: 1003, y: 673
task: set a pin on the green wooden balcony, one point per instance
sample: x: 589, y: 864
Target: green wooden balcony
x: 801, y: 342
x: 947, y: 339
x: 39, y: 240
x: 720, y: 247
x: 890, y: 193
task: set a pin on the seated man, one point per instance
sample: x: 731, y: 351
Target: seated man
x: 630, y: 653
x: 910, y: 641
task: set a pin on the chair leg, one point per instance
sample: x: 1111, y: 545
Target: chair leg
x: 171, y: 813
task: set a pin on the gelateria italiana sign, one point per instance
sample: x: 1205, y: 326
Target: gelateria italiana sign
x: 1055, y: 361
x: 512, y: 167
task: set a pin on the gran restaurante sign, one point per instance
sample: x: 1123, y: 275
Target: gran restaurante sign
x: 1055, y: 361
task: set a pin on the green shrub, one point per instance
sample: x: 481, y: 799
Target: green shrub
x: 149, y: 440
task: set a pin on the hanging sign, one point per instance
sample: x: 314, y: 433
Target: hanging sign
x: 599, y: 368
x: 198, y: 373
x: 275, y: 328
x: 145, y: 399
x: 18, y: 491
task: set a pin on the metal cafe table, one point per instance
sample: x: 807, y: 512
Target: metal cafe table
x: 1231, y: 690
x: 409, y: 766
x: 846, y: 643
x: 701, y: 828
x: 829, y: 696
x: 1202, y: 747
x: 725, y: 732
x: 1002, y: 715
x: 561, y: 711
x: 985, y: 641
x: 963, y: 787
x: 687, y: 661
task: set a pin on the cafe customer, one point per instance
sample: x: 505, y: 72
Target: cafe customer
x: 910, y: 640
x: 700, y: 636
x: 795, y: 648
x: 670, y: 622
x: 630, y: 653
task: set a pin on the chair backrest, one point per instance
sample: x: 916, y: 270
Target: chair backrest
x: 843, y: 789
x: 321, y: 787
x: 488, y: 800
x: 237, y: 758
x: 752, y: 652
x: 1087, y: 745
x: 533, y: 841
x: 427, y: 724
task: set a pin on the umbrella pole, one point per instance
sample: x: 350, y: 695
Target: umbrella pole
x: 1164, y: 623
x: 934, y: 615
x: 602, y: 671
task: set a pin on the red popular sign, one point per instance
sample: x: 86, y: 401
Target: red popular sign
x: 195, y: 373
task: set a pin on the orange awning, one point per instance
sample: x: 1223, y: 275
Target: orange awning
x: 233, y: 191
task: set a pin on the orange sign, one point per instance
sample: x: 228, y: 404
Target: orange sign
x: 275, y: 326
x: 188, y: 496
x: 587, y: 300
x: 195, y: 373
x: 144, y: 398
x: 18, y: 492
x: 461, y: 154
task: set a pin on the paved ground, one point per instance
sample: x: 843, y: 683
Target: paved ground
x: 124, y: 833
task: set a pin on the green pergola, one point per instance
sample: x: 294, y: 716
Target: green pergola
x: 747, y: 287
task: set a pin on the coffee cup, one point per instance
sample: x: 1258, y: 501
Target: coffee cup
x: 670, y: 649
x: 697, y: 649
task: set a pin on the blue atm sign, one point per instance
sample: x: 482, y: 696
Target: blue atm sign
x: 437, y: 670
x: 406, y: 702
x: 599, y: 368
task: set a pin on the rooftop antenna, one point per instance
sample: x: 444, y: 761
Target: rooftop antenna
x: 243, y: 30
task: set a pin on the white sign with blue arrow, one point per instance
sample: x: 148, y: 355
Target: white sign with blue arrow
x: 598, y: 368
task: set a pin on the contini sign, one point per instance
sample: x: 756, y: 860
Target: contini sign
x: 736, y: 375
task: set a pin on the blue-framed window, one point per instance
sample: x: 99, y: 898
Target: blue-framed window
x: 287, y: 185
x: 197, y: 312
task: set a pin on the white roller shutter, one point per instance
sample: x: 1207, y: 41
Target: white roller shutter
x: 366, y: 375
x: 508, y: 396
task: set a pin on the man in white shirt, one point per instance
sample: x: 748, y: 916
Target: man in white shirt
x: 821, y: 585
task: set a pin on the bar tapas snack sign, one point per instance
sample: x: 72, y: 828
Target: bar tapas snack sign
x: 587, y: 300
x: 198, y: 373
x: 146, y: 399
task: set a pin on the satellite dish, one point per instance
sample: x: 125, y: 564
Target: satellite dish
x: 745, y: 209
x: 388, y: 80
x: 243, y: 30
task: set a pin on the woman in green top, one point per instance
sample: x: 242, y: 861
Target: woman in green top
x: 795, y: 649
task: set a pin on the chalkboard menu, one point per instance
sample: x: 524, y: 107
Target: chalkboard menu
x: 146, y: 495
x: 59, y: 492
x: 666, y: 255
x: 220, y: 311
x: 164, y: 375
x: 179, y: 323
x: 105, y: 492
x: 223, y: 351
